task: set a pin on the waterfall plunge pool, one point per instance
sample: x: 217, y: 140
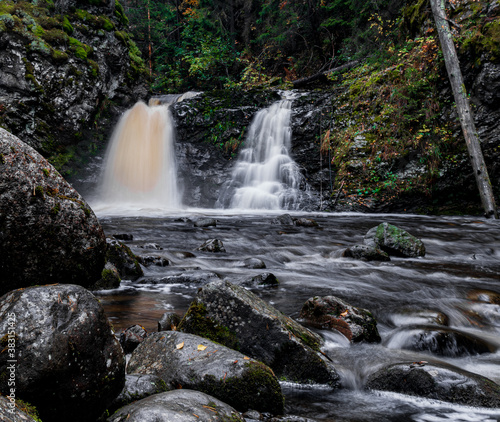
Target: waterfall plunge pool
x: 463, y: 256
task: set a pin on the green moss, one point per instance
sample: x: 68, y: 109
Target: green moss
x: 46, y: 172
x: 38, y: 192
x: 66, y: 25
x: 414, y: 15
x: 28, y: 409
x: 122, y: 36
x: 59, y: 56
x: 55, y: 209
x: 94, y: 68
x: 239, y: 391
x: 120, y: 13
x: 196, y: 321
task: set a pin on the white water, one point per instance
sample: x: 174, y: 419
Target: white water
x: 139, y: 167
x: 265, y: 176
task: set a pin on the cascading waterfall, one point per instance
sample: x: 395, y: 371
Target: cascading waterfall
x: 139, y: 168
x: 265, y: 176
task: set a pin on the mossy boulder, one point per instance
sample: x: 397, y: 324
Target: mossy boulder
x: 69, y: 364
x: 178, y: 405
x: 330, y: 312
x: 48, y: 232
x: 437, y: 382
x: 395, y: 241
x: 365, y: 253
x: 237, y: 318
x: 188, y: 361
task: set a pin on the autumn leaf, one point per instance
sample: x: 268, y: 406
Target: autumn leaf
x: 344, y: 313
x: 179, y: 346
x: 201, y: 347
x: 246, y: 358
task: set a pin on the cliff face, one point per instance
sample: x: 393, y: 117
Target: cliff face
x: 62, y: 65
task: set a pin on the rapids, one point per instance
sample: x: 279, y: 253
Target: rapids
x: 463, y: 255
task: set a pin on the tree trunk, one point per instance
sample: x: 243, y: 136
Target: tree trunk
x: 463, y: 108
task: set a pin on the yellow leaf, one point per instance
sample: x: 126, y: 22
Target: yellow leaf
x: 180, y: 345
x: 201, y: 347
x: 246, y: 358
x: 344, y: 313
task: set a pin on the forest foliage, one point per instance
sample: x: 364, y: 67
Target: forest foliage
x: 207, y: 44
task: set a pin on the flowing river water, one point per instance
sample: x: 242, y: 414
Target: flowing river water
x: 462, y: 257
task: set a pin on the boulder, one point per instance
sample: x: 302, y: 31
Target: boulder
x: 184, y: 277
x: 305, y: 222
x: 254, y: 263
x: 159, y: 261
x: 332, y: 312
x: 442, y: 341
x: 11, y: 412
x: 169, y: 321
x: 131, y: 337
x: 233, y: 316
x: 484, y: 296
x: 264, y: 279
x: 365, y: 253
x: 69, y: 364
x: 212, y: 245
x: 205, y: 222
x: 394, y: 241
x: 137, y: 387
x: 123, y: 259
x: 178, y: 405
x: 437, y: 382
x: 418, y: 316
x: 285, y: 220
x: 48, y: 233
x: 188, y: 361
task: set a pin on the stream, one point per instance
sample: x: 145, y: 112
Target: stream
x: 462, y: 257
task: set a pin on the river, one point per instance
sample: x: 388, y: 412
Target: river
x: 462, y: 256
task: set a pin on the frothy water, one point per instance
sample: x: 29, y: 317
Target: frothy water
x: 139, y: 167
x: 265, y: 176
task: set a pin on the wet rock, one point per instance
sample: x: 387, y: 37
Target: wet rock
x: 440, y: 341
x: 254, y: 263
x: 11, y: 412
x: 486, y: 296
x: 169, y: 321
x: 184, y: 255
x: 291, y: 418
x: 365, y: 253
x: 72, y: 366
x: 212, y: 245
x: 233, y: 316
x: 437, y: 382
x: 264, y: 279
x: 110, y: 278
x: 124, y: 260
x: 418, y: 316
x: 154, y: 246
x: 178, y: 405
x: 159, y: 261
x: 330, y: 312
x: 394, y: 241
x: 184, y: 277
x: 285, y: 220
x: 137, y: 387
x: 188, y: 361
x: 48, y: 232
x: 205, y: 222
x: 131, y: 337
x: 305, y: 222
x: 123, y: 236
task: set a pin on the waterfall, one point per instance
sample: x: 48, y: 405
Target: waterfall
x: 139, y: 166
x: 265, y: 176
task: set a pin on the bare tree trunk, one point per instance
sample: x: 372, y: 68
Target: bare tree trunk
x: 463, y: 108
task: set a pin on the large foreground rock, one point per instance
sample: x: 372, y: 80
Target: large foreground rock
x: 48, y: 233
x: 177, y: 406
x: 237, y: 318
x: 437, y: 382
x: 394, y: 241
x: 68, y: 363
x: 192, y: 362
x: 10, y: 412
